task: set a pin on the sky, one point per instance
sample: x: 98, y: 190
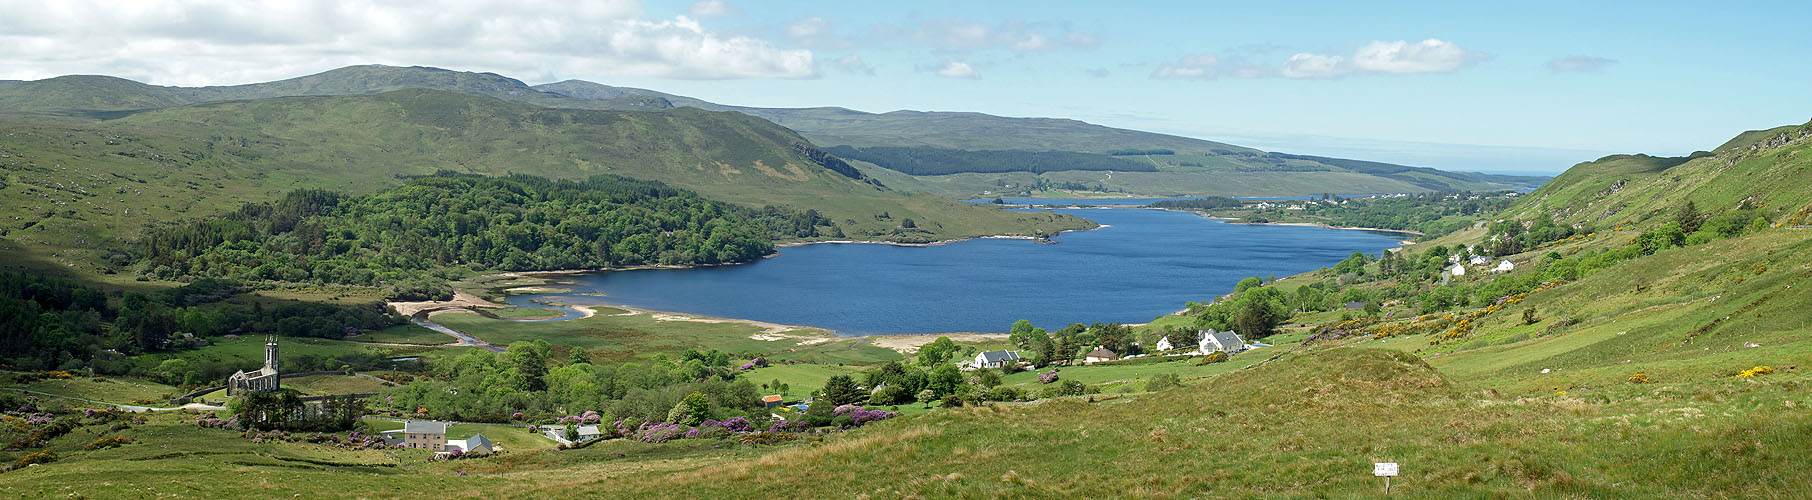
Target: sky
x: 1479, y: 86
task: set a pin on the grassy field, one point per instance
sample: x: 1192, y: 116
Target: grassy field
x: 405, y: 334
x: 334, y: 384
x: 107, y: 389
x: 616, y: 334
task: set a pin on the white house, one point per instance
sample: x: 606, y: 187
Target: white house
x: 1458, y: 270
x: 1228, y: 342
x: 996, y: 359
x: 1098, y: 355
x: 1480, y: 260
x: 1504, y: 267
x: 475, y: 445
x: 558, y: 433
x: 1164, y: 344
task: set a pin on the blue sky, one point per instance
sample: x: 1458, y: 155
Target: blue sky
x: 1526, y: 86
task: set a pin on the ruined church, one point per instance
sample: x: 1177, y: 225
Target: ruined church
x: 263, y: 380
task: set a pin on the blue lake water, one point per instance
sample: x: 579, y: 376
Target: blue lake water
x: 1146, y: 264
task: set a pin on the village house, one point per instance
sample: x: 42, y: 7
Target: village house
x: 475, y: 445
x: 266, y: 379
x: 1098, y: 355
x: 1480, y: 260
x: 1504, y: 267
x: 1164, y: 344
x: 425, y: 435
x: 997, y: 359
x: 1355, y: 305
x: 1458, y: 270
x: 1228, y: 342
x: 772, y: 401
x: 558, y: 433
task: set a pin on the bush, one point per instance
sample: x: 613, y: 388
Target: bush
x: 42, y: 457
x: 1638, y: 378
x: 1756, y: 372
x: 1213, y: 357
x: 1163, y: 381
x: 108, y: 442
x: 1048, y: 377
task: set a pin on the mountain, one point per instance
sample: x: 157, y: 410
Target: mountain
x: 86, y: 186
x: 1181, y: 166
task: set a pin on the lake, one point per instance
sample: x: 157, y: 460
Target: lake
x: 1144, y: 264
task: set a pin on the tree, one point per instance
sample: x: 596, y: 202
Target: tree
x: 938, y: 351
x: 691, y: 410
x: 840, y: 390
x: 1689, y: 218
x: 1247, y: 284
x: 529, y: 363
x: 927, y: 396
x: 572, y: 433
x: 578, y: 356
x: 943, y: 380
x: 268, y: 410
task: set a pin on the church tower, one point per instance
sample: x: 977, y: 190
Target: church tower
x: 270, y: 353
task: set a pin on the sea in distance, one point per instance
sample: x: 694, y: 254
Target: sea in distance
x: 1142, y: 264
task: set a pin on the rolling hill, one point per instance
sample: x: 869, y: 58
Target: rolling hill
x: 78, y: 187
x: 1184, y: 166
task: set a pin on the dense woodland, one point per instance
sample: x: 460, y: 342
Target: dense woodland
x: 52, y: 324
x: 926, y: 160
x: 399, y: 237
x: 1207, y: 203
x: 1427, y: 213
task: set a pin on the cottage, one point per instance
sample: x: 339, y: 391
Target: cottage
x: 558, y: 433
x: 772, y: 401
x: 1355, y: 305
x: 425, y: 435
x: 1228, y: 342
x: 1458, y: 270
x: 264, y: 380
x: 1098, y: 355
x: 1504, y: 267
x: 1164, y: 344
x: 1480, y: 260
x: 475, y: 445
x: 997, y: 359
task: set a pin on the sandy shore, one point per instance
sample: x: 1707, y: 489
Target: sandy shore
x: 908, y: 344
x: 461, y: 299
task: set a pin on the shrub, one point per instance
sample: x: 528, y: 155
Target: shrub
x: 766, y: 438
x: 1048, y: 377
x: 1638, y: 378
x: 1213, y: 357
x: 1756, y: 372
x: 108, y: 442
x: 1163, y: 381
x: 42, y: 457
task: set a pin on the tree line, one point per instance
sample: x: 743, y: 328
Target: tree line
x: 927, y: 160
x: 404, y: 237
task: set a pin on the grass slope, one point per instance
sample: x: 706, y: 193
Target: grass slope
x: 80, y: 186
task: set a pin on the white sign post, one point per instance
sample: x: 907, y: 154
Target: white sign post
x: 1385, y: 470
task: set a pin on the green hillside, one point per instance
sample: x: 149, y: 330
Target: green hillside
x: 84, y: 186
x: 1193, y: 164
x: 1763, y: 170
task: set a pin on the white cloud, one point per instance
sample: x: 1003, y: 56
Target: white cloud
x: 1579, y: 64
x: 1201, y: 66
x: 958, y: 69
x: 712, y: 8
x: 1380, y: 57
x: 853, y: 64
x: 807, y: 28
x: 1313, y: 66
x: 957, y: 35
x: 207, y: 42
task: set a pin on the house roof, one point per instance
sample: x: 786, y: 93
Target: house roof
x: 1355, y: 305
x: 477, y: 440
x: 999, y: 356
x: 1224, y: 339
x: 771, y: 399
x: 424, y: 427
x: 589, y: 430
x: 1101, y: 353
